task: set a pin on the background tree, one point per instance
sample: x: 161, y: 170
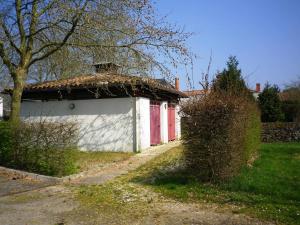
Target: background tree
x: 230, y: 79
x: 290, y: 98
x: 36, y: 34
x: 270, y: 104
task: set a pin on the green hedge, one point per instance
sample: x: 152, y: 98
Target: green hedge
x: 253, y: 131
x: 6, y: 145
x: 44, y: 148
x: 221, y: 133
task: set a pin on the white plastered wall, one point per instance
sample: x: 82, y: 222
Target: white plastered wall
x: 164, y: 121
x: 1, y: 107
x: 142, y: 128
x: 105, y: 124
x: 177, y: 122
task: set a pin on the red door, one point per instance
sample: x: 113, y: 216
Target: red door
x: 171, y: 122
x: 154, y: 123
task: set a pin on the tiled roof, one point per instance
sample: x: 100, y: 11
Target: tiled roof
x: 101, y: 80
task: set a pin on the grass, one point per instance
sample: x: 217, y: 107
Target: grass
x: 88, y: 160
x: 115, y: 202
x: 270, y: 189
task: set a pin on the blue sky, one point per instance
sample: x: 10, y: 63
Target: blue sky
x: 263, y: 34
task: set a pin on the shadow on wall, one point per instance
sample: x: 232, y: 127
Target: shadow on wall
x: 107, y: 134
x: 105, y: 125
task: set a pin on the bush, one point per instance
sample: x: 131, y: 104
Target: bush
x: 41, y: 147
x: 6, y: 143
x: 252, y: 130
x: 221, y: 132
x: 290, y: 104
x: 291, y: 111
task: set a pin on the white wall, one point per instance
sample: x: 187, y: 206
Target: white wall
x: 115, y: 124
x: 1, y: 107
x: 105, y: 124
x: 164, y: 122
x: 142, y: 123
x: 177, y: 122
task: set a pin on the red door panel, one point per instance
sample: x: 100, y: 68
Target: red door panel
x: 171, y: 123
x: 154, y: 123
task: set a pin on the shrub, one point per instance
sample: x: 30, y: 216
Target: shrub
x: 6, y: 142
x: 41, y: 147
x: 252, y: 130
x: 221, y: 132
x: 290, y: 103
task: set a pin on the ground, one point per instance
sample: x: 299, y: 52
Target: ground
x: 12, y: 184
x: 105, y: 197
x: 59, y: 205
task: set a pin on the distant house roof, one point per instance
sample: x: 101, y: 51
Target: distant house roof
x: 106, y: 84
x: 194, y: 93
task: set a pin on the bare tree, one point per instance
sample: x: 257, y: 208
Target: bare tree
x: 34, y: 31
x: 204, y: 82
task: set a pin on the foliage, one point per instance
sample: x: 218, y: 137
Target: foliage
x: 221, y: 133
x: 6, y: 143
x: 290, y: 98
x: 41, y: 147
x: 252, y: 131
x: 270, y: 104
x: 230, y: 79
x: 291, y: 111
x: 267, y: 189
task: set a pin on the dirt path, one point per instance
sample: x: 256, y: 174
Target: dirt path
x: 12, y: 184
x: 112, y: 171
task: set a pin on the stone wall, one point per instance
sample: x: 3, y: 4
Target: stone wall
x: 281, y: 132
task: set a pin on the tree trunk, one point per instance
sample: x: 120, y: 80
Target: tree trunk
x: 17, y: 96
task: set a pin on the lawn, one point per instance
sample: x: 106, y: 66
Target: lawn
x: 269, y: 189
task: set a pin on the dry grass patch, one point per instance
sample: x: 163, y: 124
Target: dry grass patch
x: 88, y: 160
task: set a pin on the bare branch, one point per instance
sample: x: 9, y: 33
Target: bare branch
x: 9, y: 37
x: 20, y: 23
x: 68, y: 35
x: 6, y: 60
x: 47, y: 7
x: 32, y: 27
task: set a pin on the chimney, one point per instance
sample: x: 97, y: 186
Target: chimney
x: 177, y: 83
x: 257, y: 89
x: 106, y: 67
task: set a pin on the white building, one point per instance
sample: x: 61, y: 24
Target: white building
x: 114, y: 112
